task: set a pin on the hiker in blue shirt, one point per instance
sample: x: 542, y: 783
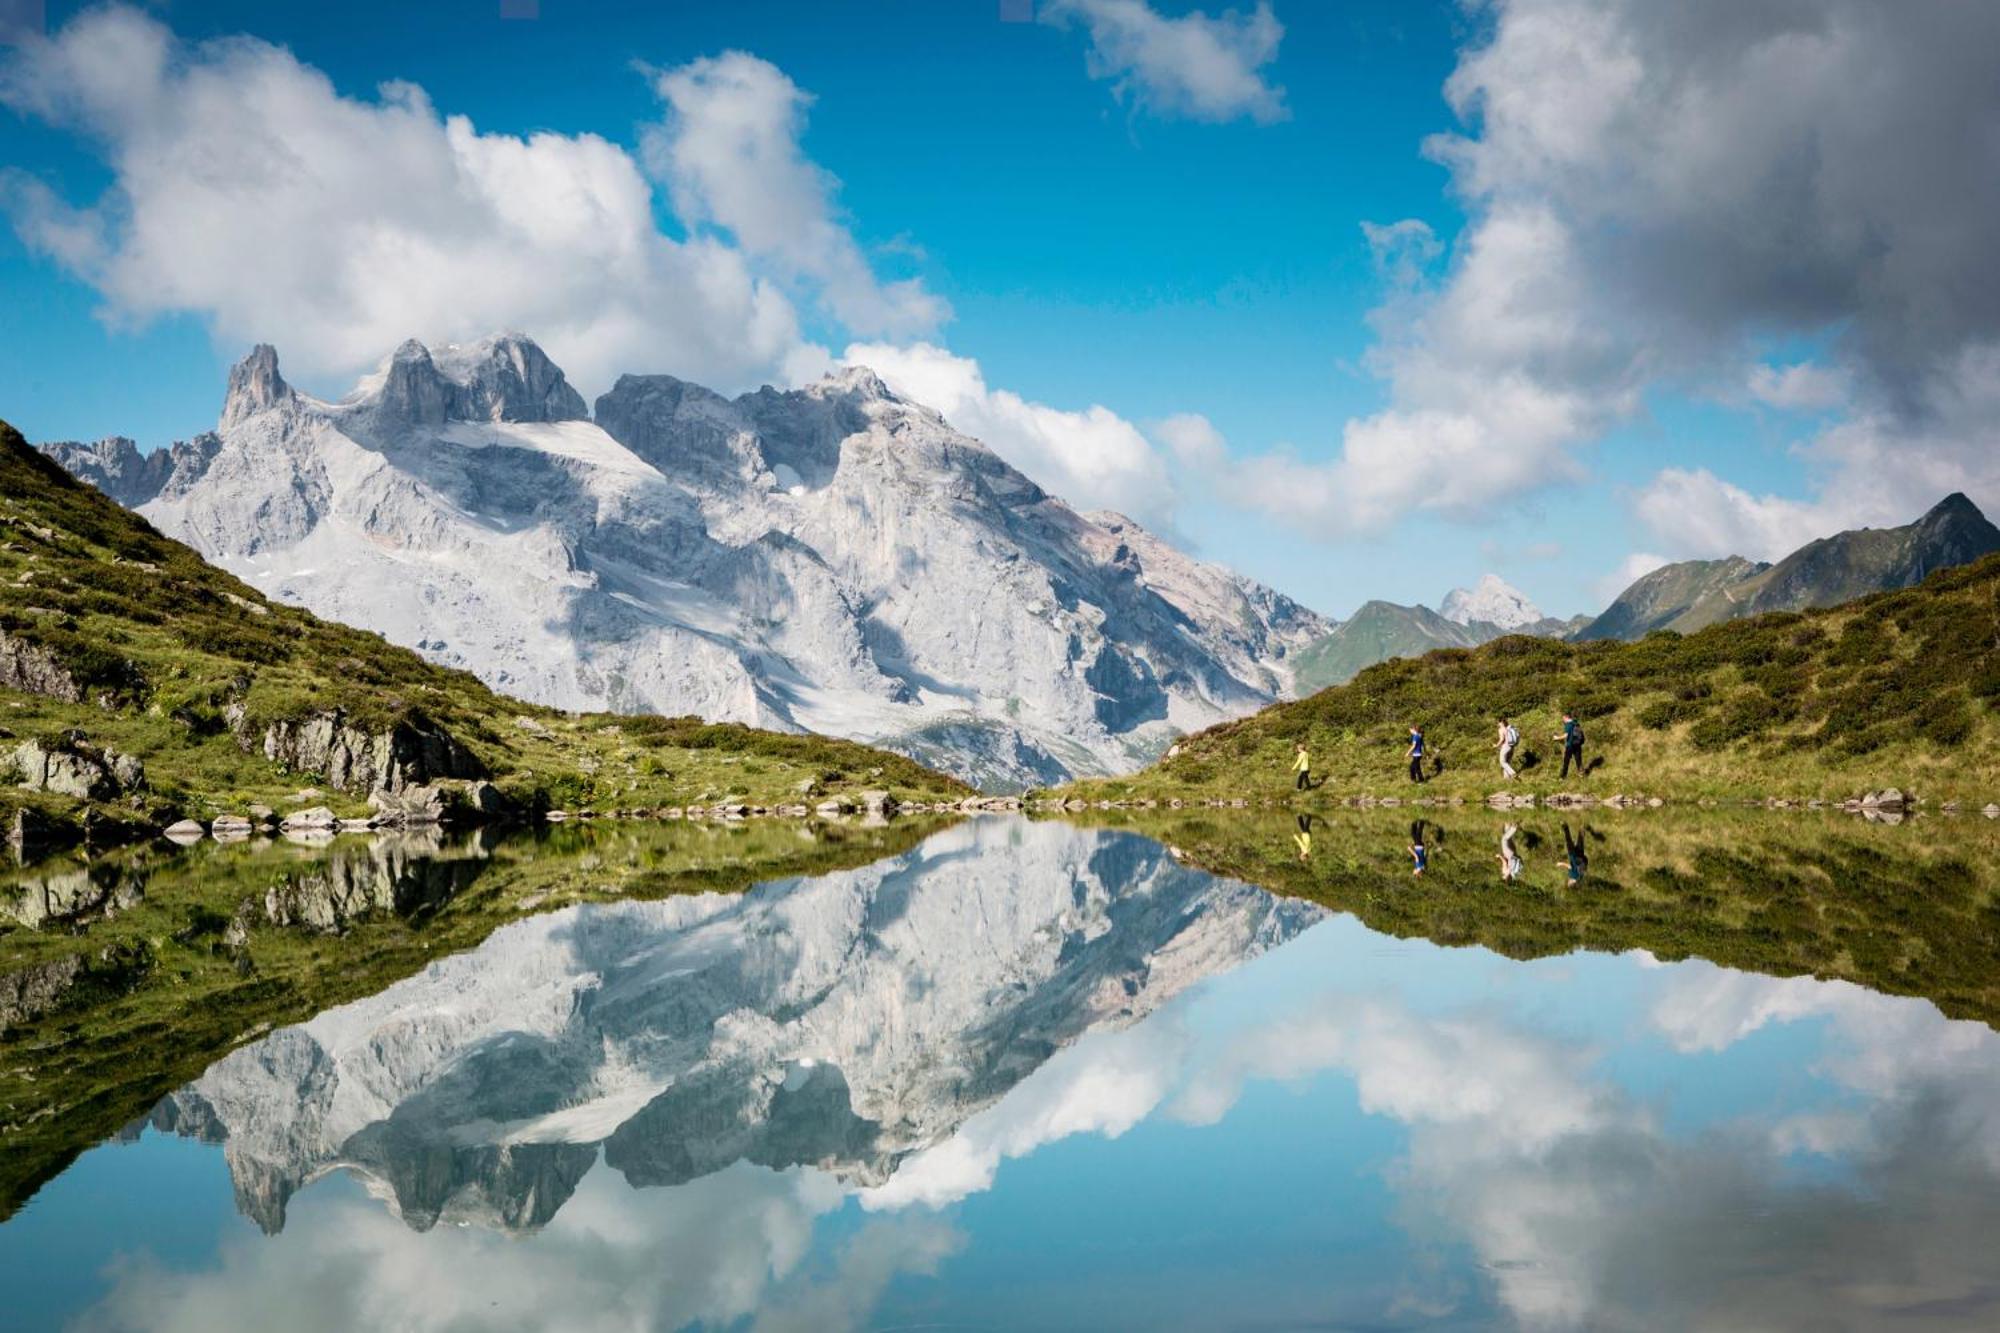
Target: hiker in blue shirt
x: 1571, y: 737
x: 1416, y: 754
x: 1576, y: 855
x: 1420, y: 858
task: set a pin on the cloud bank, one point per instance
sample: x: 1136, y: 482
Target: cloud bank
x: 1654, y: 193
x: 247, y: 189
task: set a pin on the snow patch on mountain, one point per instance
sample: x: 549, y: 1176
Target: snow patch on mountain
x: 1491, y: 601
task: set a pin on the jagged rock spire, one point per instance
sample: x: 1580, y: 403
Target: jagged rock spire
x: 254, y: 385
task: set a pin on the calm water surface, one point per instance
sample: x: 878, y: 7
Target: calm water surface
x: 1034, y: 1076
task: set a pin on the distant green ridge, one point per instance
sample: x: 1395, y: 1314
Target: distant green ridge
x: 1694, y: 594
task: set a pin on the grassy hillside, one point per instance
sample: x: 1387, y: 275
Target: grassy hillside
x: 1895, y: 689
x: 1906, y: 910
x: 177, y: 663
x: 169, y: 959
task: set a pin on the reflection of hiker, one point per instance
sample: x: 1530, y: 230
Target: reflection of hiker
x: 1508, y: 738
x: 1510, y: 860
x: 1302, y: 765
x: 1420, y: 855
x: 1304, y: 837
x: 1578, y: 857
x: 1571, y: 737
x: 1416, y: 754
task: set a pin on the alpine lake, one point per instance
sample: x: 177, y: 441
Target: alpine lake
x: 1645, y: 1069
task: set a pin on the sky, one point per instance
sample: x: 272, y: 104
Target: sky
x: 1363, y: 298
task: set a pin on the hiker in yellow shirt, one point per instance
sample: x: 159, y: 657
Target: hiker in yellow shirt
x: 1302, y: 765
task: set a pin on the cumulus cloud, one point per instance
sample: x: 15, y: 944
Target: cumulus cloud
x: 1628, y: 571
x: 729, y: 153
x: 1092, y: 457
x: 1652, y: 191
x: 1193, y: 66
x: 1801, y: 387
x: 248, y: 190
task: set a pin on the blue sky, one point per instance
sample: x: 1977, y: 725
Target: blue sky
x: 1105, y: 229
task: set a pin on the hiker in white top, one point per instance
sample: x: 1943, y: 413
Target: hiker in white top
x: 1509, y: 738
x: 1510, y: 860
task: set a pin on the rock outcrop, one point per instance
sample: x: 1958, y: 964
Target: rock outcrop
x: 349, y: 758
x: 76, y: 768
x: 33, y: 669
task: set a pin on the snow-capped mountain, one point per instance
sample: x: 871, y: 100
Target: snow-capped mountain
x: 1491, y: 601
x: 834, y: 558
x: 842, y: 1022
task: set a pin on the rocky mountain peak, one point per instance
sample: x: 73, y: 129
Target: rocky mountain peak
x: 855, y: 382
x: 254, y: 385
x: 1492, y: 601
x: 505, y: 377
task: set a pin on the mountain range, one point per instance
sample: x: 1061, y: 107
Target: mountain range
x: 1465, y: 618
x: 834, y: 559
x: 1696, y: 593
x: 1683, y: 597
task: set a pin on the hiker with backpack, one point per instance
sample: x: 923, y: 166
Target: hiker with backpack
x: 1416, y: 754
x: 1571, y: 737
x: 1508, y: 738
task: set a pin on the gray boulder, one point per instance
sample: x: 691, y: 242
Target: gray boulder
x: 33, y: 669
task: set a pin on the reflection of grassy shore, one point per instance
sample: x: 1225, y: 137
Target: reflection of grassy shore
x: 188, y: 962
x: 1897, y: 689
x: 1912, y: 909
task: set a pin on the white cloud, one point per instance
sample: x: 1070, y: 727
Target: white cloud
x: 1801, y: 387
x: 1629, y: 571
x: 1651, y: 194
x: 729, y: 153
x: 1093, y: 458
x: 727, y: 1248
x: 1195, y: 66
x: 248, y: 190
x: 1699, y: 515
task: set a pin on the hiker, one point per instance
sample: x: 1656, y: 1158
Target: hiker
x: 1510, y: 860
x: 1416, y: 754
x: 1576, y: 856
x: 1571, y: 737
x: 1508, y: 738
x: 1304, y: 837
x: 1302, y: 765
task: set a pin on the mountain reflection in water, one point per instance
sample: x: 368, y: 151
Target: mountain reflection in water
x: 1036, y: 1075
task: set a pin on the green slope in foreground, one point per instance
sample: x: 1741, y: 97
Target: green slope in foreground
x: 118, y: 639
x: 1895, y: 689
